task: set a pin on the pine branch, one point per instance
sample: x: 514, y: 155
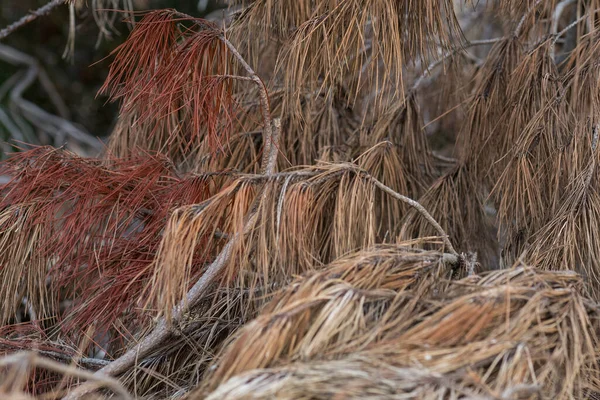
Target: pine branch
x: 30, y: 17
x: 164, y: 328
x: 262, y: 90
x: 264, y: 103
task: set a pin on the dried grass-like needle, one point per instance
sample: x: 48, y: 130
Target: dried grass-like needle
x: 84, y: 230
x: 568, y: 239
x: 331, y: 47
x: 479, y: 140
x: 402, y: 125
x: 321, y: 124
x: 166, y: 69
x: 189, y: 237
x: 384, y: 162
x: 529, y: 188
x: 482, y: 337
x: 333, y: 311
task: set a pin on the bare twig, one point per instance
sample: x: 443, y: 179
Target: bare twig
x: 262, y: 90
x: 84, y: 361
x: 447, y: 55
x: 27, y: 359
x: 566, y: 29
x: 264, y: 104
x: 420, y: 209
x: 556, y: 19
x: 518, y: 30
x: 45, y: 9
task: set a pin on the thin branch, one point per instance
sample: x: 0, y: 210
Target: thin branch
x: 234, y: 77
x: 264, y: 104
x: 567, y: 28
x: 449, y: 54
x: 262, y: 90
x: 518, y: 30
x: 85, y: 361
x: 420, y: 209
x: 30, y: 17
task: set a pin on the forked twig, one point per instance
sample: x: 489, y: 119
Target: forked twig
x: 264, y: 104
x: 43, y: 10
x: 263, y: 95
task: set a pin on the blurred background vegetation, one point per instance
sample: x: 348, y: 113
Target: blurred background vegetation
x: 50, y: 97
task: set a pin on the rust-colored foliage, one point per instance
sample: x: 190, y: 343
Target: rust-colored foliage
x: 104, y: 220
x: 167, y: 68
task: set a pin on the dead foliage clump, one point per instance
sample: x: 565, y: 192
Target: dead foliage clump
x: 317, y: 199
x: 369, y: 333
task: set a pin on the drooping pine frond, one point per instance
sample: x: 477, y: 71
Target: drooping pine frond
x: 103, y: 220
x: 402, y: 125
x: 302, y: 321
x: 571, y: 231
x: 349, y: 41
x: 107, y: 12
x: 321, y: 125
x: 310, y: 217
x: 168, y: 70
x: 536, y: 173
x: 487, y: 108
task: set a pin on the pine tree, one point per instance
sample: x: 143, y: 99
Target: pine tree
x: 317, y: 199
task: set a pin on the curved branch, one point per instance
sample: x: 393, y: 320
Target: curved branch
x: 264, y: 103
x: 262, y: 90
x: 417, y: 206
